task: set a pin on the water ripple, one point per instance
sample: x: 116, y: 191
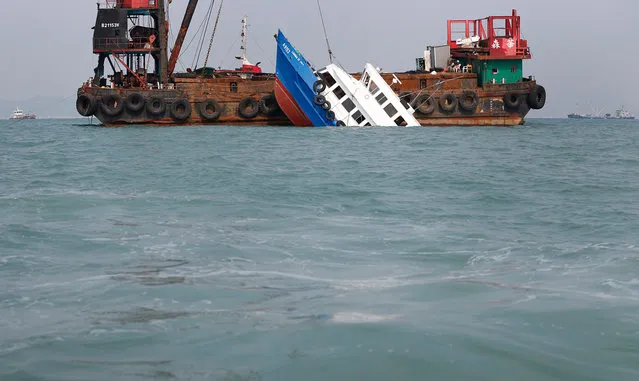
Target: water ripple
x: 274, y: 254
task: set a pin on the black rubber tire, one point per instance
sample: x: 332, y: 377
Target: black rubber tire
x: 135, y: 102
x: 326, y: 105
x: 340, y: 123
x: 319, y: 100
x: 112, y: 105
x: 468, y: 101
x: 330, y: 115
x: 210, y: 110
x: 269, y: 105
x: 424, y: 104
x: 537, y: 97
x: 406, y: 96
x: 180, y: 109
x: 155, y: 106
x: 86, y: 104
x: 512, y: 100
x: 319, y: 86
x: 448, y: 102
x: 248, y: 108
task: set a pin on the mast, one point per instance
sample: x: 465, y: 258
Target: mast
x: 186, y: 22
x: 247, y: 66
x: 163, y: 72
x: 243, y: 47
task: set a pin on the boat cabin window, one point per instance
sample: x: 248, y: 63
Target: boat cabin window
x: 405, y: 99
x: 348, y: 105
x: 234, y: 87
x: 422, y: 83
x: 381, y: 99
x: 367, y: 124
x: 339, y: 93
x: 328, y: 78
x: 359, y: 118
x: 513, y: 69
x: 366, y: 79
x: 373, y: 88
x: 400, y: 121
x: 390, y: 109
x: 495, y: 70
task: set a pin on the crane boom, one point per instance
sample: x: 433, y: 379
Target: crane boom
x: 163, y: 35
x: 186, y: 22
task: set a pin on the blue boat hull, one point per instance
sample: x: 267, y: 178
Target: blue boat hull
x: 294, y: 87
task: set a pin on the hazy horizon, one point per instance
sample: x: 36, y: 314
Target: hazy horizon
x: 574, y: 54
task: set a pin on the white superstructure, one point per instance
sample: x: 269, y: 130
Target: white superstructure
x: 369, y: 101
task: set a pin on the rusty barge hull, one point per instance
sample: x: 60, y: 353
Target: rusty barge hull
x: 494, y: 105
x: 250, y: 102
x: 211, y: 101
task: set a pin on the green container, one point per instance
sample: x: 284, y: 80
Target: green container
x: 498, y: 71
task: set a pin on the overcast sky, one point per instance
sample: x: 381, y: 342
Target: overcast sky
x: 584, y: 53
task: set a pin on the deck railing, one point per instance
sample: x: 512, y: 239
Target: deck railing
x: 129, y: 3
x: 119, y: 44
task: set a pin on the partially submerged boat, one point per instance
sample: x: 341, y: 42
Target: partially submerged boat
x: 369, y: 101
x: 332, y: 97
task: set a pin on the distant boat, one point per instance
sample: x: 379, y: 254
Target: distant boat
x: 620, y: 113
x: 584, y: 116
x: 19, y: 114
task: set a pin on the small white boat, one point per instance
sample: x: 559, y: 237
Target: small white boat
x: 19, y: 114
x: 369, y: 101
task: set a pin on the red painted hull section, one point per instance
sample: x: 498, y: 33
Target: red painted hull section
x: 290, y: 108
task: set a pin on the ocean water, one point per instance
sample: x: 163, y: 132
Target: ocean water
x: 226, y: 253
